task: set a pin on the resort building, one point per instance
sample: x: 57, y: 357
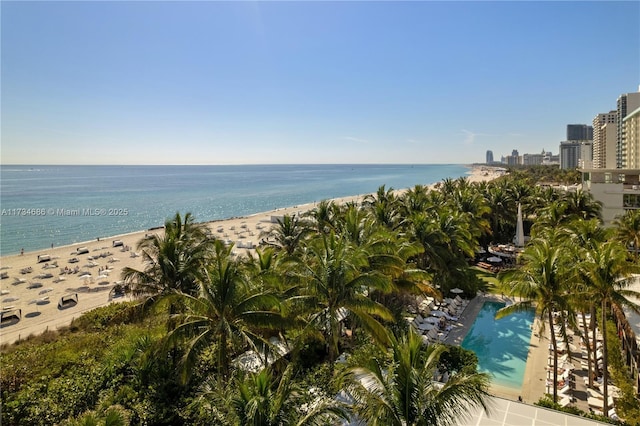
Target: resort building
x: 617, y: 189
x: 631, y: 125
x: 605, y: 131
x: 626, y: 104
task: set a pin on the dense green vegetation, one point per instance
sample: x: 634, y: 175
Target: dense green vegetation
x: 336, y: 281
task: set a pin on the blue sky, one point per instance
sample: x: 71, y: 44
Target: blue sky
x: 306, y: 82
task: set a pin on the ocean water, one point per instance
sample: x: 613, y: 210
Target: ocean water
x: 44, y: 205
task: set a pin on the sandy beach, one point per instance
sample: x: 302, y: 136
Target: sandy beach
x: 37, y: 293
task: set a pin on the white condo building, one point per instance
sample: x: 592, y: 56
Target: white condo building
x: 626, y: 104
x: 604, y: 140
x: 617, y: 189
x: 631, y: 125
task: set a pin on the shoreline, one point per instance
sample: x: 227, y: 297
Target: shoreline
x: 475, y: 173
x: 39, y: 315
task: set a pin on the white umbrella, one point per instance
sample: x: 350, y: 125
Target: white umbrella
x: 438, y: 313
x: 495, y: 259
x: 3, y: 292
x: 456, y: 290
x: 519, y: 237
x: 432, y: 320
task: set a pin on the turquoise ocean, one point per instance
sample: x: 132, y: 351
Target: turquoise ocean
x: 60, y: 205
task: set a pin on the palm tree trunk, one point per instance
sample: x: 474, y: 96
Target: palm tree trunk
x: 223, y: 362
x: 554, y: 345
x: 594, y: 338
x: 605, y: 366
x: 586, y: 340
x: 334, y: 334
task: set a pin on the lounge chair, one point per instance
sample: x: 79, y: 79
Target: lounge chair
x: 565, y: 401
x: 599, y: 403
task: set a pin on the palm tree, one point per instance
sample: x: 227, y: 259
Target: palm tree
x: 579, y: 236
x: 627, y: 231
x: 175, y: 260
x: 356, y: 225
x: 383, y: 205
x: 415, y: 200
x: 262, y: 399
x: 265, y: 400
x: 583, y: 205
x: 323, y: 216
x: 540, y: 282
x: 335, y: 278
x: 403, y: 392
x: 288, y: 233
x: 503, y: 214
x: 606, y: 272
x: 471, y: 203
x: 227, y: 311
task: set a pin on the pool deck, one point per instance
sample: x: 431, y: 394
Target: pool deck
x: 534, y: 380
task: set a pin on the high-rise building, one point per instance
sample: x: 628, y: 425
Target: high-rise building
x: 632, y: 139
x: 626, y: 103
x: 579, y: 132
x: 585, y: 161
x: 514, y: 158
x: 489, y: 157
x: 533, y: 159
x: 569, y: 154
x: 604, y: 140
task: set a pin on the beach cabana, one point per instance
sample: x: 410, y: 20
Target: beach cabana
x: 68, y: 301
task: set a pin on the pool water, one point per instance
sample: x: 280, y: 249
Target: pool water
x: 502, y: 346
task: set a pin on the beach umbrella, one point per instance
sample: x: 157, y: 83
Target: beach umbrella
x: 438, y: 313
x: 519, y: 237
x: 432, y: 320
x: 457, y: 290
x: 3, y: 292
x: 11, y: 299
x: 46, y: 290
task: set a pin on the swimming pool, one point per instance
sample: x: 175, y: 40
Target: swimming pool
x: 502, y: 346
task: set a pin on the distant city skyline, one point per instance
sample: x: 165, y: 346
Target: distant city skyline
x: 305, y: 82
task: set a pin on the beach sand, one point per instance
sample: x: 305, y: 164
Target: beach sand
x: 40, y: 310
